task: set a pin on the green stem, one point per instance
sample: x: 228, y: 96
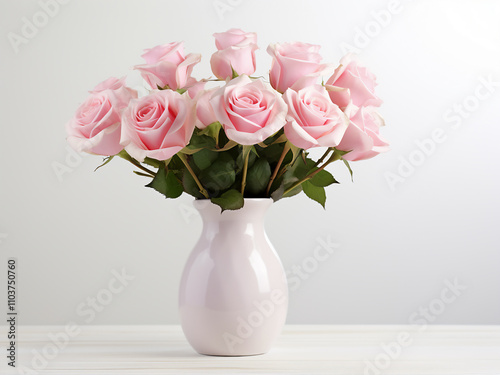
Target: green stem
x: 323, y: 157
x: 333, y: 158
x: 276, y: 170
x: 247, y: 150
x: 129, y: 158
x: 188, y: 167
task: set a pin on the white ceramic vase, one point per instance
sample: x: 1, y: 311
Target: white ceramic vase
x: 233, y: 296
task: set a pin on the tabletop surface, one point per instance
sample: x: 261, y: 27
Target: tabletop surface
x: 301, y: 349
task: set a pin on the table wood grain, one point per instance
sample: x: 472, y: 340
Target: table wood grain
x: 301, y: 349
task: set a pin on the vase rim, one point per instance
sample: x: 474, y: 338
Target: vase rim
x: 245, y: 199
x: 248, y: 202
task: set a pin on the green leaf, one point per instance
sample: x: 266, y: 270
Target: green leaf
x: 278, y: 193
x: 323, y: 179
x: 153, y: 162
x: 304, y: 156
x: 271, y: 153
x: 301, y: 169
x: 240, y: 159
x: 296, y: 172
x: 230, y: 200
x: 316, y: 193
x: 211, y: 130
x: 258, y: 176
x: 106, y: 161
x: 246, y: 150
x: 166, y: 183
x: 234, y: 73
x: 337, y: 154
x: 229, y: 145
x: 202, y: 141
x: 218, y: 177
x: 190, y: 150
x: 281, y: 139
x: 174, y: 163
x: 204, y: 158
x: 271, y: 141
x: 190, y: 185
x: 293, y: 192
x: 142, y: 174
x: 295, y: 151
x: 243, y: 155
x: 348, y: 167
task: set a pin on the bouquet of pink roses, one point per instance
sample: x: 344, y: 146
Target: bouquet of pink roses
x: 247, y: 138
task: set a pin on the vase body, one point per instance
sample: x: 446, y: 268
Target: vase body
x: 233, y: 297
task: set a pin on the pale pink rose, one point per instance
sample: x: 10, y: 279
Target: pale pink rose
x: 166, y: 65
x: 352, y: 83
x: 158, y: 125
x: 362, y: 137
x: 112, y: 83
x: 236, y: 50
x: 294, y: 65
x: 204, y: 111
x: 96, y: 126
x: 234, y: 38
x: 118, y: 86
x: 249, y: 110
x: 194, y: 87
x: 313, y: 120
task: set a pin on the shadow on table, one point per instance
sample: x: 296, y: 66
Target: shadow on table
x: 174, y: 353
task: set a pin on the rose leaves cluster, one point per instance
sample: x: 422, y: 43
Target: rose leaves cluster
x: 245, y: 138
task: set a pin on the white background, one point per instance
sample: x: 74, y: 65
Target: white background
x: 397, y: 248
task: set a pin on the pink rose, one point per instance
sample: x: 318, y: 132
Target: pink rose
x: 112, y: 83
x: 204, y: 111
x: 158, y: 125
x: 96, y: 126
x: 362, y: 135
x: 166, y: 65
x: 118, y: 85
x: 234, y: 38
x: 193, y: 87
x: 294, y: 64
x: 352, y: 83
x: 236, y: 50
x: 313, y: 120
x: 249, y: 110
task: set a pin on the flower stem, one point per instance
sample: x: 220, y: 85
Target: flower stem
x: 246, y: 154
x: 190, y: 170
x: 126, y: 156
x: 276, y: 170
x: 333, y: 157
x: 323, y: 157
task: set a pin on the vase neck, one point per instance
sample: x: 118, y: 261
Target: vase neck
x: 253, y: 211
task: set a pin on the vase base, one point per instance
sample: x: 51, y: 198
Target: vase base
x: 232, y: 355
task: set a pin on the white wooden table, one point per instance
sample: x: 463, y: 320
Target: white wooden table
x: 311, y: 349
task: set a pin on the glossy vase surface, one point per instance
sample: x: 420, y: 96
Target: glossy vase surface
x: 233, y: 297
